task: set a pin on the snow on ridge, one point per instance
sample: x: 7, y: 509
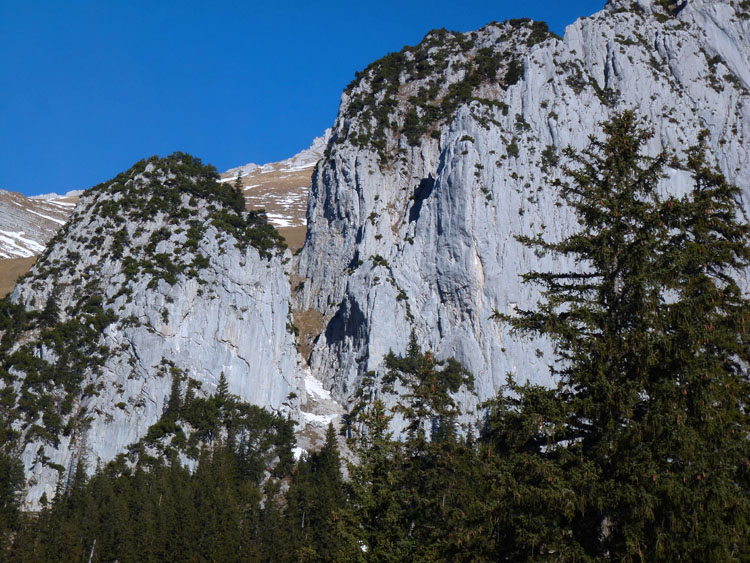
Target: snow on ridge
x: 18, y: 245
x: 71, y: 193
x: 306, y: 158
x: 58, y: 221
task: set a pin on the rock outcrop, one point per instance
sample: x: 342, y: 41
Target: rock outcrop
x: 441, y: 154
x: 158, y: 272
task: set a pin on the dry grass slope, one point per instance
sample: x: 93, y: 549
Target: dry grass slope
x: 11, y: 270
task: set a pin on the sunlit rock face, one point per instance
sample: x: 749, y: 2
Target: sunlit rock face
x: 439, y: 157
x: 412, y: 218
x: 175, y: 284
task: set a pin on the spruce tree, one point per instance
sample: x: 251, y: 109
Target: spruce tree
x: 427, y: 403
x: 174, y: 402
x: 411, y: 496
x: 51, y: 312
x: 11, y: 488
x: 222, y: 389
x: 376, y: 510
x: 652, y: 361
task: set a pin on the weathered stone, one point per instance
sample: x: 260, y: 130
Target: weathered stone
x: 425, y: 241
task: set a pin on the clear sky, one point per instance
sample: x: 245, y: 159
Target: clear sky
x: 88, y: 87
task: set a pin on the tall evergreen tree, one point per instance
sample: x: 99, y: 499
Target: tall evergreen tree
x: 222, y: 389
x: 11, y: 487
x: 411, y: 495
x: 51, y: 312
x: 376, y: 515
x: 427, y: 403
x: 315, y: 504
x: 653, y: 354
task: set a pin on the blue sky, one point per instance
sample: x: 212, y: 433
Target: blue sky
x: 87, y: 88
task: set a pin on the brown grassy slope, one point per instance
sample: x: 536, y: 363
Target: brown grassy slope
x: 10, y: 270
x: 283, y: 194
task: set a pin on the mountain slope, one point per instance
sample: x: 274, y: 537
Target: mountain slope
x: 26, y: 224
x: 443, y: 153
x: 281, y: 189
x: 159, y: 273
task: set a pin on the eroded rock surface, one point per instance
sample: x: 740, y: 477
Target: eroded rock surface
x: 443, y: 153
x: 159, y: 272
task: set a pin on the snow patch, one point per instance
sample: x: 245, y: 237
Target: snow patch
x: 25, y: 249
x: 321, y: 419
x: 314, y: 387
x: 279, y: 220
x: 58, y: 221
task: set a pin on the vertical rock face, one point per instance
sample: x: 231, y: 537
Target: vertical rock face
x: 159, y: 272
x: 443, y: 153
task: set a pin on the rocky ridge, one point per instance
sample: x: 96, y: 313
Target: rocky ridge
x: 159, y: 273
x: 441, y: 154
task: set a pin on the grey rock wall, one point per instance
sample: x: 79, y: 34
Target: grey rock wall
x: 227, y: 315
x: 426, y: 243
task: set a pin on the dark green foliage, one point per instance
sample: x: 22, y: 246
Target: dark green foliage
x: 413, y: 129
x: 157, y: 511
x: 11, y: 487
x: 378, y: 503
x: 539, y: 32
x: 513, y: 149
x: 222, y: 390
x: 13, y: 320
x: 550, y: 158
x: 647, y: 434
x: 378, y: 260
x: 426, y: 404
x: 44, y: 397
x: 409, y: 500
x: 51, y: 311
x: 514, y: 72
x: 315, y: 503
x: 374, y: 94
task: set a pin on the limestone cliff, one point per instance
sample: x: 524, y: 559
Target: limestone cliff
x: 160, y: 271
x: 441, y: 154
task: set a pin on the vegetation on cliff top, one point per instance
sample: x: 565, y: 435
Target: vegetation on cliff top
x: 152, y: 220
x: 376, y: 99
